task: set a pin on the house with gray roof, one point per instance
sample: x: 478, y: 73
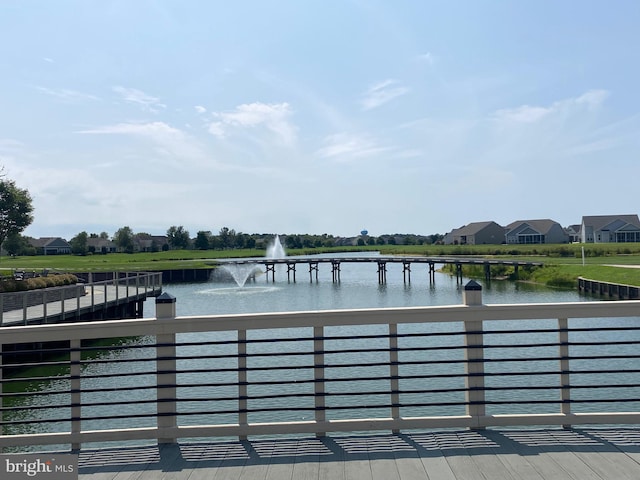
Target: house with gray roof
x: 50, y: 245
x: 101, y: 245
x: 477, y: 233
x: 610, y: 228
x: 574, y: 233
x: 536, y: 232
x: 143, y: 242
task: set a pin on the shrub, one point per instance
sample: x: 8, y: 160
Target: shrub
x: 12, y: 285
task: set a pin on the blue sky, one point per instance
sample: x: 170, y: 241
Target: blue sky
x: 319, y: 116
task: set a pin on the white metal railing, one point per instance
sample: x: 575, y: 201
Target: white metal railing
x: 469, y: 365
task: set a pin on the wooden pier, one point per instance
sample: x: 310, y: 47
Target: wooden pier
x: 121, y: 296
x: 381, y: 261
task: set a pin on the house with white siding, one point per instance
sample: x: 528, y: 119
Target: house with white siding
x: 610, y: 229
x: 536, y: 232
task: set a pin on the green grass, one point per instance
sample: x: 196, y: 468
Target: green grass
x: 563, y: 263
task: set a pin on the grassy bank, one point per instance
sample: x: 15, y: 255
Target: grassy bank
x: 563, y: 263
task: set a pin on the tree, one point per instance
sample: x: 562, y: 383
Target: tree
x: 203, y: 240
x: 15, y: 209
x: 79, y: 243
x: 123, y: 238
x: 16, y: 244
x: 178, y: 237
x: 225, y: 237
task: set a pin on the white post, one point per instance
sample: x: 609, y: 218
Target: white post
x: 166, y: 371
x: 318, y: 376
x: 474, y: 355
x: 76, y: 395
x: 243, y: 404
x: 565, y: 378
x: 394, y: 372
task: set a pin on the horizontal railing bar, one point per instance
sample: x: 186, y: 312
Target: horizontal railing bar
x: 313, y: 381
x: 260, y: 321
x: 344, y: 407
x: 306, y: 367
x: 22, y: 366
x: 383, y: 350
x: 33, y: 379
x: 309, y: 427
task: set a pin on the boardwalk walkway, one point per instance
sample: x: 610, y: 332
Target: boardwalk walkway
x: 596, y: 454
x: 97, y: 297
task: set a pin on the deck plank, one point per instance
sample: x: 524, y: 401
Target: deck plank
x: 433, y: 461
x: 549, y: 457
x: 518, y: 465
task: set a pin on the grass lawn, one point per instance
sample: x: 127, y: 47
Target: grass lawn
x: 564, y: 261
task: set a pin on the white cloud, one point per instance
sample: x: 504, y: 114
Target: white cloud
x: 274, y: 117
x: 382, y: 93
x: 428, y: 58
x: 532, y: 114
x: 138, y: 97
x: 200, y: 109
x: 522, y: 114
x: 593, y: 98
x: 66, y: 94
x: 343, y: 146
x: 168, y: 140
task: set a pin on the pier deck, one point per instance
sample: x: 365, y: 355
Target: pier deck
x: 98, y: 298
x: 603, y: 454
x: 381, y: 260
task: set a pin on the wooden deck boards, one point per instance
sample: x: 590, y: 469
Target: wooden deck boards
x: 599, y: 454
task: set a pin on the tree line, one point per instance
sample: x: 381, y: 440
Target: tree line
x: 16, y: 214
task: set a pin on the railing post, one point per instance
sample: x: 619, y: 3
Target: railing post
x: 243, y: 417
x: 166, y: 371
x: 62, y: 294
x: 318, y: 377
x: 474, y: 356
x: 1, y: 394
x: 76, y: 395
x: 394, y: 373
x: 565, y: 377
x: 24, y: 308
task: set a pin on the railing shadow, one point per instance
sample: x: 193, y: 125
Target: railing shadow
x: 525, y: 442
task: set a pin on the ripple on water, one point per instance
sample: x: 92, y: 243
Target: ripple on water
x: 238, y: 290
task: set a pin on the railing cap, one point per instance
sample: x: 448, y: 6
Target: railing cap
x: 472, y: 285
x: 165, y: 298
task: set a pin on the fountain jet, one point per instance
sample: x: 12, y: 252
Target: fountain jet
x: 276, y: 250
x: 243, y: 271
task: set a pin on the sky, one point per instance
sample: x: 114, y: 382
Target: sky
x: 330, y: 116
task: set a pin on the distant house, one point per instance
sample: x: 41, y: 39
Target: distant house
x: 477, y: 233
x: 610, y: 229
x: 101, y: 245
x: 535, y: 232
x: 50, y: 245
x: 150, y: 243
x: 574, y: 233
